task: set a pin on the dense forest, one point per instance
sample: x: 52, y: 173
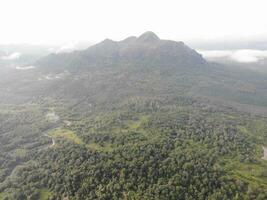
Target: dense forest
x: 133, y: 131
x: 147, y: 150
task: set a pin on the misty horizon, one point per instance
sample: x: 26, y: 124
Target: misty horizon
x: 246, y: 51
x: 57, y: 22
x: 133, y: 100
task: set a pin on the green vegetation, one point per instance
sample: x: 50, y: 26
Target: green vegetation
x: 66, y: 134
x: 44, y: 194
x: 167, y: 151
x: 157, y: 123
x: 2, y: 195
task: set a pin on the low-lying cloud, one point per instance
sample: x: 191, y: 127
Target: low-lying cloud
x: 72, y: 46
x: 25, y: 67
x: 241, y: 55
x: 12, y: 56
x: 67, y: 47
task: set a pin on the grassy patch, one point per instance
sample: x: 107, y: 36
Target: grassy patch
x: 98, y: 147
x: 72, y: 137
x: 44, y: 194
x: 66, y: 134
x: 259, y: 128
x: 2, y: 195
x: 20, y: 153
x: 137, y: 124
x: 252, y: 173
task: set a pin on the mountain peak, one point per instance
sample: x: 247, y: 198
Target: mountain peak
x: 147, y: 48
x: 148, y: 36
x: 107, y: 41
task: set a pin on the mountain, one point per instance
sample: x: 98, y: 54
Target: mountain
x: 141, y: 63
x: 141, y: 118
x: 146, y: 49
x: 137, y: 66
x: 144, y: 65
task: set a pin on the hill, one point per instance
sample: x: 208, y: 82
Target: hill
x: 141, y: 118
x: 147, y: 48
x: 144, y: 65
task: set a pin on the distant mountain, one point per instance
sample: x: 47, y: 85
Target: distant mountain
x: 148, y: 48
x: 111, y: 72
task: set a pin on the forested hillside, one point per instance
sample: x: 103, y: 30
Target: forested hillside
x: 142, y: 118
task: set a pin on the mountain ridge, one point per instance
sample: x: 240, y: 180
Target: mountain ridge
x: 148, y: 47
x: 152, y: 67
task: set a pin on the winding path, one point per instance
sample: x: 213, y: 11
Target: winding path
x: 52, y: 139
x: 45, y: 134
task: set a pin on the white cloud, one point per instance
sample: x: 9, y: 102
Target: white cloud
x: 215, y: 53
x: 12, y: 56
x: 25, y: 68
x: 72, y: 46
x: 67, y: 47
x: 240, y: 55
x: 249, y: 55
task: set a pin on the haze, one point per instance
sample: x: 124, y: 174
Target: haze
x: 138, y: 100
x: 50, y: 22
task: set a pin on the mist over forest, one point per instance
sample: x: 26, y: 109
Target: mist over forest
x: 143, y: 100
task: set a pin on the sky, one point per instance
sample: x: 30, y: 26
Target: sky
x: 61, y: 21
